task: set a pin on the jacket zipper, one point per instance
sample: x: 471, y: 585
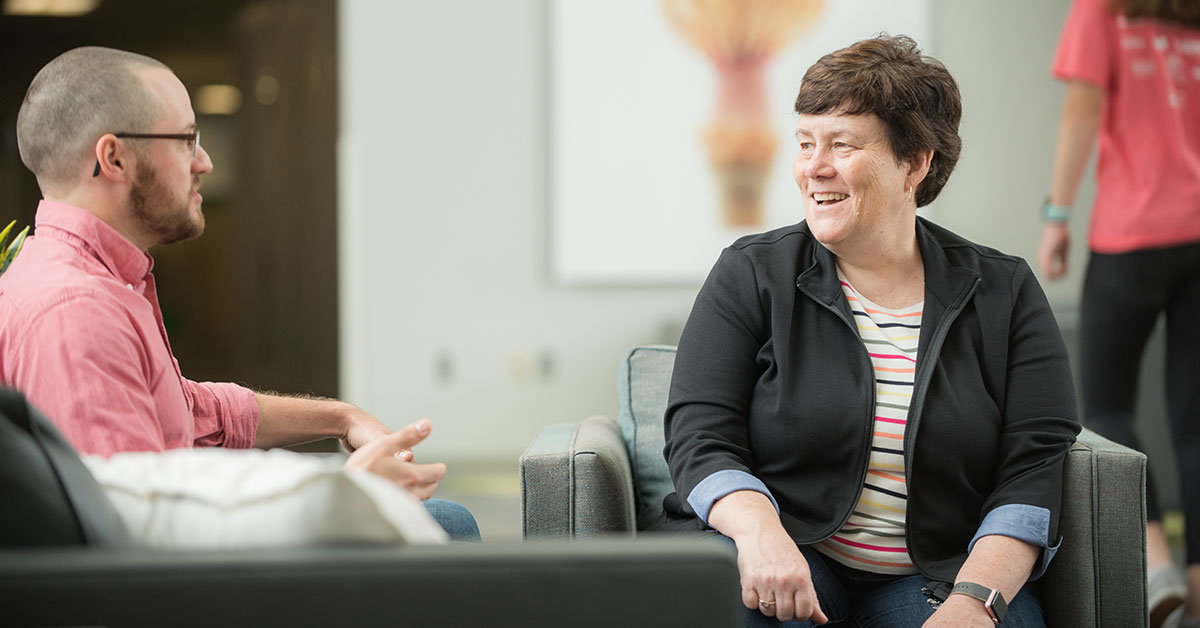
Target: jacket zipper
x: 919, y: 390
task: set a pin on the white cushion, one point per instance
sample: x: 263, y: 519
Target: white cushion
x: 222, y: 498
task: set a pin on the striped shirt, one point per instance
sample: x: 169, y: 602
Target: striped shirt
x: 873, y: 538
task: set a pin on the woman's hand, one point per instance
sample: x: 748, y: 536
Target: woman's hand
x: 773, y: 570
x: 960, y: 611
x: 1052, y: 252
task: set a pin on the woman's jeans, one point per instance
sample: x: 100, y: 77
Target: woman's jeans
x: 859, y: 599
x: 455, y: 519
x: 1123, y: 296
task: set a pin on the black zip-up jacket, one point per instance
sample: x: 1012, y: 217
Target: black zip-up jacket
x: 771, y: 378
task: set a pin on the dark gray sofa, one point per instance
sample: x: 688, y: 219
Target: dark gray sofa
x: 65, y: 560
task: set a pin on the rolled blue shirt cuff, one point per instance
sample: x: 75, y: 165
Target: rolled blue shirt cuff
x: 722, y: 483
x: 1023, y: 522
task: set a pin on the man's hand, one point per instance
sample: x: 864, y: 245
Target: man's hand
x: 960, y: 611
x: 1052, y: 252
x: 361, y: 428
x: 390, y: 456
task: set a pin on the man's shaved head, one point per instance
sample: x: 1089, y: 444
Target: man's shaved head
x: 78, y: 97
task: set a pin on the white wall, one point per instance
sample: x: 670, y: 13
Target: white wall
x: 444, y: 219
x: 1000, y: 54
x: 445, y: 229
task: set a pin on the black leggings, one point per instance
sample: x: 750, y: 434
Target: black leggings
x: 1123, y: 295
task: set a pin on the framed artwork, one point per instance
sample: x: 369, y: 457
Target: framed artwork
x: 672, y: 131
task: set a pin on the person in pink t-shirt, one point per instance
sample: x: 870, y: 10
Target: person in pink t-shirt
x: 1132, y: 69
x: 112, y: 139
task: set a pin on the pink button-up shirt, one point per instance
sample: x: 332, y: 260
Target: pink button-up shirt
x: 82, y: 336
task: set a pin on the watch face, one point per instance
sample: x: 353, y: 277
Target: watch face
x: 996, y: 606
x: 993, y: 602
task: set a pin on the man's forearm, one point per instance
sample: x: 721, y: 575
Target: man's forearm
x: 291, y: 420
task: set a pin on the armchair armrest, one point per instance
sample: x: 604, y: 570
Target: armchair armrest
x: 598, y: 582
x: 1098, y: 576
x: 576, y: 481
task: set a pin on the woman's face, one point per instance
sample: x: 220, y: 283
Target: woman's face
x: 854, y: 188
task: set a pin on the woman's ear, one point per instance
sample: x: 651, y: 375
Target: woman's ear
x: 918, y: 167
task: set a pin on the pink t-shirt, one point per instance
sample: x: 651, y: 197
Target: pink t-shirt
x: 81, y: 335
x: 1148, y: 173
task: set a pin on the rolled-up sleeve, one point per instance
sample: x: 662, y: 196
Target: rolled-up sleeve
x: 722, y: 483
x: 1023, y: 522
x: 226, y: 415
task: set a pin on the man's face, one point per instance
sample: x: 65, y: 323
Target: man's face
x: 164, y: 212
x: 164, y: 196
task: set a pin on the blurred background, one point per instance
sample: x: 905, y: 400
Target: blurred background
x: 379, y: 220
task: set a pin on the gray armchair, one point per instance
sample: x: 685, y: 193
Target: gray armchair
x: 599, y: 477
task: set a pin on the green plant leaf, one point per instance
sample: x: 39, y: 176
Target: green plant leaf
x: 9, y: 253
x: 4, y: 235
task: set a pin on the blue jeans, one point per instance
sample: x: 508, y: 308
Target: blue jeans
x: 455, y: 519
x: 861, y: 599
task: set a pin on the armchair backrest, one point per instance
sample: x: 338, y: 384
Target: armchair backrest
x: 643, y: 384
x: 50, y: 498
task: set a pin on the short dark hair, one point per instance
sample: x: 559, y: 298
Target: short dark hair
x: 914, y: 96
x: 76, y: 98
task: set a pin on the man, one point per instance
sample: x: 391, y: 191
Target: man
x: 112, y: 139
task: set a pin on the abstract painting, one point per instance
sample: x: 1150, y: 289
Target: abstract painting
x: 672, y: 127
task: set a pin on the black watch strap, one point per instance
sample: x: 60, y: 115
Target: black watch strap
x: 993, y: 602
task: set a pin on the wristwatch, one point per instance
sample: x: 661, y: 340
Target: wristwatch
x: 993, y: 602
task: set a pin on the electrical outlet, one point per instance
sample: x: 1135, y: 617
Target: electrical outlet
x: 443, y: 368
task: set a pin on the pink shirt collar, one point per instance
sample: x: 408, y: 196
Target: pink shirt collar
x: 60, y: 221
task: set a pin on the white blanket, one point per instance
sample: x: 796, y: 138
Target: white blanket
x: 220, y: 498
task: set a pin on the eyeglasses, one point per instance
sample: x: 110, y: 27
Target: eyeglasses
x: 192, y: 139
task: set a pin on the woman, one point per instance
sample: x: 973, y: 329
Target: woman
x: 870, y: 407
x: 1131, y: 76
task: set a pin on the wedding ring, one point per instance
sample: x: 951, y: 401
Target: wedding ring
x: 766, y: 604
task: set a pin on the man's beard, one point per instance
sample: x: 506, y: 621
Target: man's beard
x: 161, y: 213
